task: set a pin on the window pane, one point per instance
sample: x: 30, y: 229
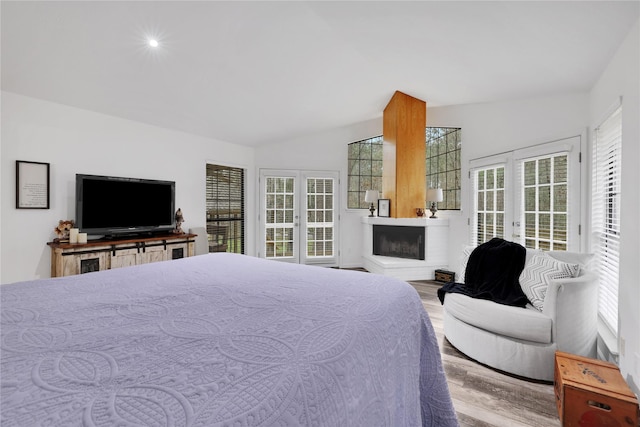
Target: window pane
x: 559, y: 246
x: 560, y: 169
x: 530, y: 225
x: 544, y: 199
x: 376, y: 151
x: 500, y: 178
x: 328, y: 186
x: 544, y: 171
x: 544, y: 226
x: 529, y: 173
x: 500, y: 200
x: 560, y: 198
x: 365, y: 151
x: 354, y: 169
x: 530, y: 199
x: 489, y: 203
x: 376, y: 168
x: 354, y: 150
x: 489, y: 225
x: 560, y: 227
x: 500, y: 225
x: 490, y: 181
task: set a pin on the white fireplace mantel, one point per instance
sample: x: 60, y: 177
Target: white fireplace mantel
x: 436, y: 249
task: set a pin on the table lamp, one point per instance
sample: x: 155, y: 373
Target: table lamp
x: 434, y: 195
x: 371, y: 196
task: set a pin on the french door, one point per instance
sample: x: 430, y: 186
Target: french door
x: 531, y: 196
x: 298, y: 216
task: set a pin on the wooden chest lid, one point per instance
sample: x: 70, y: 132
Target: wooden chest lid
x: 595, y: 375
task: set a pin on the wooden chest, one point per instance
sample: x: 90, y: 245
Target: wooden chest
x: 445, y: 276
x: 591, y: 392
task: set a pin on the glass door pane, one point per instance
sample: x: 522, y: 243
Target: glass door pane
x: 545, y: 202
x: 281, y: 218
x: 489, y: 195
x: 548, y: 193
x: 299, y: 216
x: 320, y: 217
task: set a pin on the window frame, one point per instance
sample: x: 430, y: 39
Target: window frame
x: 215, y: 220
x: 513, y: 199
x: 357, y: 184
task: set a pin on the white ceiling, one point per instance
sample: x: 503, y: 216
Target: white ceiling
x: 258, y: 72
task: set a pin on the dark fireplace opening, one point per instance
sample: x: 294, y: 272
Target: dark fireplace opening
x: 398, y: 241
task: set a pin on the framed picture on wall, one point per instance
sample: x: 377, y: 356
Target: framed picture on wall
x: 32, y: 185
x: 384, y: 207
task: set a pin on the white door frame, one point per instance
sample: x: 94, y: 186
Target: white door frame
x: 299, y: 214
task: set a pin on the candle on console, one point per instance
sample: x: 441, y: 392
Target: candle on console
x: 73, y: 235
x: 82, y: 237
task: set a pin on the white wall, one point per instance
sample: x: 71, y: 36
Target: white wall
x: 79, y: 141
x: 622, y: 78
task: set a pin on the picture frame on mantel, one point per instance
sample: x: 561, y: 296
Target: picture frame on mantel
x: 32, y: 185
x: 384, y: 208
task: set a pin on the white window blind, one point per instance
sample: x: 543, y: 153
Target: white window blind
x: 607, y: 156
x: 225, y: 208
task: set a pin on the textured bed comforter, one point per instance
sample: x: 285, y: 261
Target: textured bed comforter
x: 219, y: 340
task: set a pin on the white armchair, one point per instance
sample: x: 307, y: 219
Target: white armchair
x: 523, y: 341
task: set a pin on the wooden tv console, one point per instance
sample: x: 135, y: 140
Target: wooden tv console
x: 68, y: 259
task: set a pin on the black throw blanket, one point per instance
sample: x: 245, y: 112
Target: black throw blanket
x: 492, y: 273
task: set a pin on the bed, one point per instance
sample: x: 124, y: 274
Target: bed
x: 220, y: 340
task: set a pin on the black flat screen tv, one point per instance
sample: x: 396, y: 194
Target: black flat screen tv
x: 110, y: 206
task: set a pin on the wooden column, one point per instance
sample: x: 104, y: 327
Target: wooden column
x: 404, y: 155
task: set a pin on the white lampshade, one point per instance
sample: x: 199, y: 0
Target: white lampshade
x: 434, y: 195
x: 371, y: 196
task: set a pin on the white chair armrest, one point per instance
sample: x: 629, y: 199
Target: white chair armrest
x: 572, y: 305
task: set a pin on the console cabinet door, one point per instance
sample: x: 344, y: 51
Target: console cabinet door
x: 177, y: 251
x: 125, y: 258
x: 86, y: 263
x: 153, y: 254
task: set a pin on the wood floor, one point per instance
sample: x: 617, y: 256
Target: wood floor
x: 483, y: 396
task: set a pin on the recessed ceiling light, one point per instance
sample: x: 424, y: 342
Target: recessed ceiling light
x: 153, y: 42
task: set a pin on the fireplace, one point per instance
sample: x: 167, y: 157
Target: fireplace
x: 399, y: 241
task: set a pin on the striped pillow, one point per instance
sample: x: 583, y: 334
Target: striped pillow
x: 538, y: 272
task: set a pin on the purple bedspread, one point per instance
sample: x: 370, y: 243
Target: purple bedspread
x: 220, y: 340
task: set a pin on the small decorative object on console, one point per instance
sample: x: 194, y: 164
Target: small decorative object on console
x: 62, y: 230
x: 445, y: 276
x: 179, y: 221
x: 420, y: 212
x: 592, y: 392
